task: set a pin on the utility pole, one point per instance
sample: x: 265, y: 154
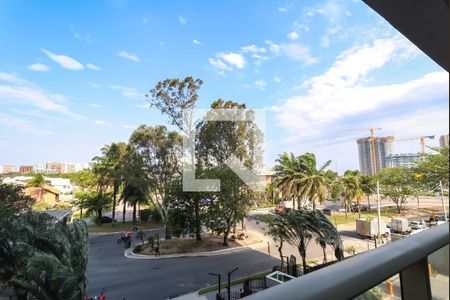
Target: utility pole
x: 378, y: 208
x: 443, y: 202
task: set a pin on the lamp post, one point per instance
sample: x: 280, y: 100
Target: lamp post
x: 378, y: 208
x: 443, y: 201
x: 229, y: 286
x: 218, y: 276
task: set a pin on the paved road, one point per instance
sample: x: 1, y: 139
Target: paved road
x: 161, y: 279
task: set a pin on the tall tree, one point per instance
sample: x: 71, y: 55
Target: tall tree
x: 299, y: 178
x: 228, y: 206
x: 435, y: 169
x: 160, y: 151
x: 368, y: 186
x: 396, y: 183
x: 352, y: 189
x: 217, y: 141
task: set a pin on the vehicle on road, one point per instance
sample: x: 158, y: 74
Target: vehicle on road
x: 417, y: 225
x: 106, y: 219
x: 400, y: 225
x: 326, y: 211
x: 369, y: 228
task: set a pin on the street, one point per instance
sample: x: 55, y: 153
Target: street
x: 164, y: 278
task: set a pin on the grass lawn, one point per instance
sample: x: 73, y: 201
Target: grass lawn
x: 190, y: 245
x: 119, y: 226
x: 339, y: 218
x: 213, y: 288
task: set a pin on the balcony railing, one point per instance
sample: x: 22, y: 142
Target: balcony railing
x: 353, y: 277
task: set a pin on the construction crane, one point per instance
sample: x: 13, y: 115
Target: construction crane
x: 372, y: 148
x: 422, y: 143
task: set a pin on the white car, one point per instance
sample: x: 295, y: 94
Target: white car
x: 417, y: 225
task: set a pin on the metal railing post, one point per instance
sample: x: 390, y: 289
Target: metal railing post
x: 415, y: 281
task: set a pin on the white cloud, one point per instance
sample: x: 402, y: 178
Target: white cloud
x: 293, y: 35
x: 300, y: 52
x: 260, y: 85
x: 325, y: 41
x: 93, y: 67
x: 128, y: 92
x: 282, y: 9
x: 182, y: 20
x: 258, y: 59
x: 253, y: 49
x: 128, y: 56
x: 64, y: 61
x: 196, y: 42
x: 22, y: 92
x: 94, y: 85
x: 143, y: 106
x: 218, y: 64
x: 77, y: 35
x: 100, y: 122
x: 339, y: 93
x: 94, y: 105
x: 274, y: 48
x: 235, y: 59
x: 277, y: 79
x: 38, y: 67
x: 21, y: 125
x: 128, y: 126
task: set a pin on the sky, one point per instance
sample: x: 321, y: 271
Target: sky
x: 73, y: 77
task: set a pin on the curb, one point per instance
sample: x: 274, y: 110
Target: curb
x: 119, y: 232
x: 130, y: 254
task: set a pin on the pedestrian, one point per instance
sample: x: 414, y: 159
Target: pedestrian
x: 157, y: 253
x: 101, y: 297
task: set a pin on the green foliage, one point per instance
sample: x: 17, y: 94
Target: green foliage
x: 298, y: 227
x: 37, y: 181
x: 140, y: 235
x: 397, y: 184
x: 13, y: 201
x: 298, y: 178
x: 43, y: 258
x: 218, y: 141
x: 138, y: 248
x: 145, y: 214
x: 229, y: 206
x: 435, y: 169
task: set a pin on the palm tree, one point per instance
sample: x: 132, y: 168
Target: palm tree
x: 352, y: 190
x: 287, y: 173
x: 38, y: 181
x: 50, y: 257
x: 368, y: 186
x: 115, y: 155
x: 313, y: 185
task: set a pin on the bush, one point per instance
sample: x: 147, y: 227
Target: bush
x: 151, y: 241
x: 138, y: 249
x: 150, y: 214
x: 140, y: 235
x: 145, y: 214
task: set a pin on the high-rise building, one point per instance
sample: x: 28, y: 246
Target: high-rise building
x: 55, y: 167
x: 26, y: 169
x: 406, y: 160
x: 443, y: 140
x: 5, y: 169
x: 372, y: 158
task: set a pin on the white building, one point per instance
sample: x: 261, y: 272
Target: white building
x: 62, y: 184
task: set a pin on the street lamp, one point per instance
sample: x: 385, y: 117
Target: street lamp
x: 218, y: 276
x: 228, y: 286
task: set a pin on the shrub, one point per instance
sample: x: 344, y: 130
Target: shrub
x: 151, y: 241
x: 140, y: 235
x: 138, y: 249
x: 145, y: 214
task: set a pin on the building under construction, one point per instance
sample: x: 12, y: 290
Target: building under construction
x: 373, y: 153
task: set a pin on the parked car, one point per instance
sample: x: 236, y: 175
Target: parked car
x: 417, y: 225
x: 106, y: 219
x: 326, y: 211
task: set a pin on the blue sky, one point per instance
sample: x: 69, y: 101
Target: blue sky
x: 73, y: 77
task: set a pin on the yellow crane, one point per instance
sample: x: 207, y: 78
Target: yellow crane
x: 421, y: 141
x: 373, y: 156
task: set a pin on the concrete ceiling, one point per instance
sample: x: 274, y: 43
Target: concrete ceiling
x: 423, y: 22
